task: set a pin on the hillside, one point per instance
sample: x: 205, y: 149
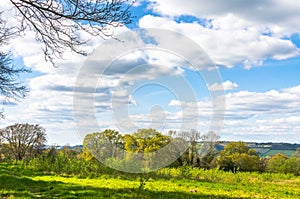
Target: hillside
x: 266, y: 149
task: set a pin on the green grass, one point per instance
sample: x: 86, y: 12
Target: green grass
x: 18, y: 182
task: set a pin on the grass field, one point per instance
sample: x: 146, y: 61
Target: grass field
x: 17, y: 182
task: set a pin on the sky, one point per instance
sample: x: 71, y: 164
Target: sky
x: 228, y: 66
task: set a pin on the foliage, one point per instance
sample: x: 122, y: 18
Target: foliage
x: 5, y: 153
x: 275, y: 164
x: 97, y: 181
x: 191, y: 155
x: 208, y: 151
x: 143, y: 146
x: 24, y: 139
x: 146, y: 140
x: 236, y: 156
x: 292, y: 165
x: 201, y: 148
x: 104, y: 145
x: 236, y: 147
x: 66, y: 161
x: 279, y: 163
x: 136, y: 151
x: 205, y: 184
x: 119, y: 151
x: 297, y: 153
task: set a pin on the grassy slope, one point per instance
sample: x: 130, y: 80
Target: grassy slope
x: 22, y: 183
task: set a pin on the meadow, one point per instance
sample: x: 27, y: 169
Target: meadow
x: 17, y: 181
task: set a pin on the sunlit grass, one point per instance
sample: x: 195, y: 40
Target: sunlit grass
x: 17, y: 182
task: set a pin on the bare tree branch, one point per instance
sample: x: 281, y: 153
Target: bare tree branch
x: 57, y: 22
x: 10, y: 87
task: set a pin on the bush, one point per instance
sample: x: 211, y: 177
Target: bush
x: 67, y: 162
x: 236, y: 156
x: 292, y: 165
x: 276, y: 163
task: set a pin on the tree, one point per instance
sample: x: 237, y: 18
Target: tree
x: 1, y: 140
x: 292, y: 165
x: 246, y: 162
x: 144, y: 150
x: 10, y: 87
x: 145, y: 144
x: 297, y: 153
x: 103, y: 145
x: 24, y: 139
x: 235, y: 147
x: 145, y: 140
x: 192, y: 137
x: 208, y: 151
x: 6, y: 33
x: 58, y: 23
x: 236, y: 156
x: 276, y: 163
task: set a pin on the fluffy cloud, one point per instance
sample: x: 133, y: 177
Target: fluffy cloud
x: 225, y: 86
x: 229, y: 40
x: 105, y: 76
x: 268, y: 116
x: 279, y: 16
x: 244, y: 37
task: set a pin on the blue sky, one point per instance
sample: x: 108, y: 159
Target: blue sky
x: 254, y: 46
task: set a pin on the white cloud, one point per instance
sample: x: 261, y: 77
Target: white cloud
x: 293, y: 90
x: 50, y: 101
x: 244, y: 37
x: 225, y: 86
x: 269, y: 116
x: 175, y: 103
x: 229, y: 41
x: 280, y: 16
x: 266, y: 116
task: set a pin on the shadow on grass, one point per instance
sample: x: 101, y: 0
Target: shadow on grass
x: 20, y: 185
x: 17, y: 170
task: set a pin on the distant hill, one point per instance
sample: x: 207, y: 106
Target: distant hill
x: 262, y: 149
x: 266, y: 149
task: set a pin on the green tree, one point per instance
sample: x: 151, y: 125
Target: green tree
x: 235, y: 147
x: 292, y: 165
x: 5, y: 153
x: 236, y: 156
x: 146, y: 140
x: 246, y: 162
x: 276, y: 163
x: 24, y: 139
x: 145, y: 144
x: 107, y: 144
x: 297, y: 153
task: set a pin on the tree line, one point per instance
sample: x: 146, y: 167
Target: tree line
x: 26, y: 142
